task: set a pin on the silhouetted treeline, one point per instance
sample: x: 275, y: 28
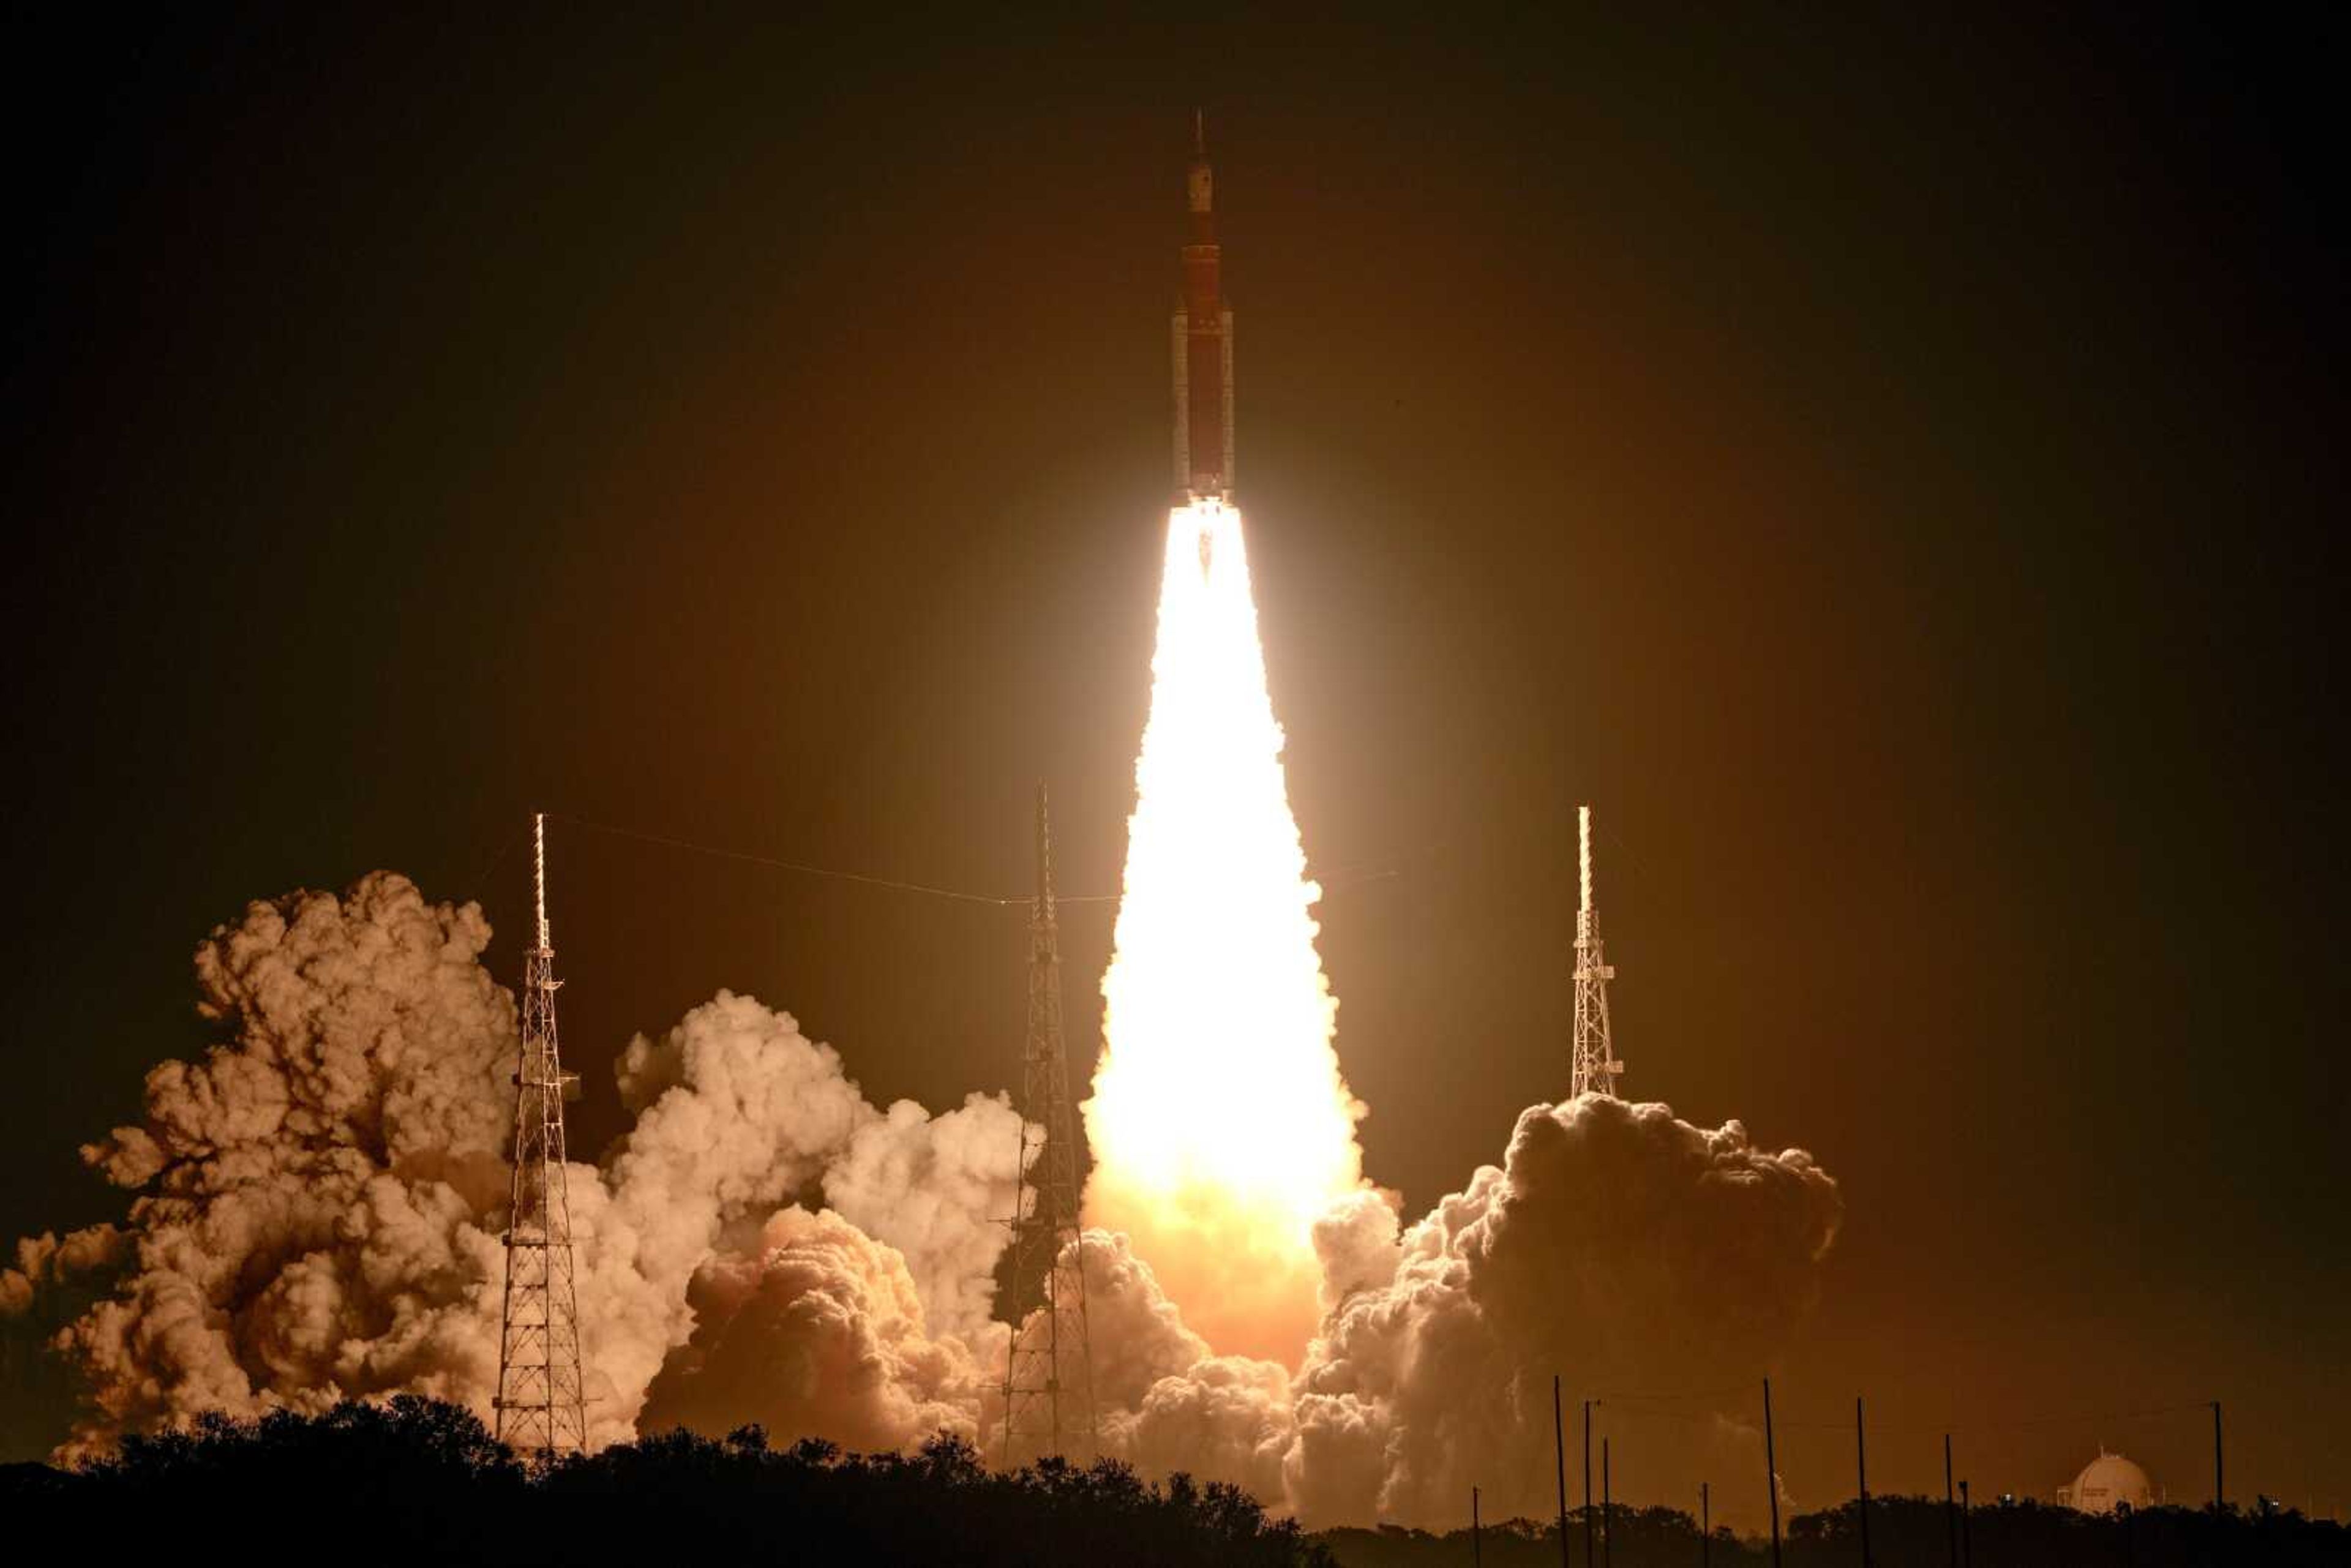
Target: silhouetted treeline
x: 417, y: 1481
x: 1904, y: 1532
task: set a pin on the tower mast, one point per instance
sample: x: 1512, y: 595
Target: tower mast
x: 1595, y: 1066
x: 1049, y: 1391
x: 541, y: 1406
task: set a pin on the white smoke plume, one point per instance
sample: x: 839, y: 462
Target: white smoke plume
x: 1227, y: 1417
x: 319, y: 1200
x: 739, y: 1113
x: 938, y: 1189
x: 817, y: 1330
x: 1616, y: 1245
x: 301, y: 1225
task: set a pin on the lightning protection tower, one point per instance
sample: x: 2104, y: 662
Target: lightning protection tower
x: 1049, y: 1390
x: 1596, y: 1067
x: 541, y: 1406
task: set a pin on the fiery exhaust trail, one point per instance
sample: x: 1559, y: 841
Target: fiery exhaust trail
x: 1220, y: 1125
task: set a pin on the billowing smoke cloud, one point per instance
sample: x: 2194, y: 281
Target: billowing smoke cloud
x: 1616, y: 1244
x: 1227, y: 1417
x: 1137, y: 1335
x: 738, y: 1114
x: 938, y: 1189
x: 1628, y: 1249
x: 319, y: 1200
x: 302, y: 1227
x: 817, y: 1330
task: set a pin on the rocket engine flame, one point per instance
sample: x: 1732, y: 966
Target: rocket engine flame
x: 1220, y: 1125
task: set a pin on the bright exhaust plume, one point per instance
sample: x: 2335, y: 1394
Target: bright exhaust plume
x: 1219, y: 1123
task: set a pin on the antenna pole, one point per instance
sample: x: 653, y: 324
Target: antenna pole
x: 1861, y: 1477
x: 1559, y: 1457
x: 1951, y: 1508
x: 1590, y: 1560
x: 538, y: 874
x: 1607, y: 1510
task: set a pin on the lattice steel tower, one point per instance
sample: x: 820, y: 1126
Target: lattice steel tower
x: 1049, y: 1386
x: 542, y: 1410
x: 1596, y: 1067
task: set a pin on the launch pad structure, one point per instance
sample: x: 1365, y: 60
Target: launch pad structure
x: 1596, y: 1067
x: 1049, y: 1391
x: 541, y: 1402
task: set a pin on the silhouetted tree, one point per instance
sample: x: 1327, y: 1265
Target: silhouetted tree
x: 413, y: 1479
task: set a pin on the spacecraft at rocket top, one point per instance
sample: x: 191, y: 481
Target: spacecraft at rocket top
x: 1203, y: 338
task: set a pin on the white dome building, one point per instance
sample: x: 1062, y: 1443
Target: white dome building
x: 2107, y: 1483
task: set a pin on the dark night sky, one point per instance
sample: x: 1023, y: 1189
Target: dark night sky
x: 1891, y: 467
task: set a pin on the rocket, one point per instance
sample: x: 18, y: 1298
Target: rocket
x: 1202, y: 334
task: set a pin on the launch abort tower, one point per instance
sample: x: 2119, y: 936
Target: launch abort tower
x: 1202, y: 339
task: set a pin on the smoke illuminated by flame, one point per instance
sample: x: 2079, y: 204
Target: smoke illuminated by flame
x: 1220, y: 1125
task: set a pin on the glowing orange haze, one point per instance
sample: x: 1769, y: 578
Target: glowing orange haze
x: 1219, y: 1123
